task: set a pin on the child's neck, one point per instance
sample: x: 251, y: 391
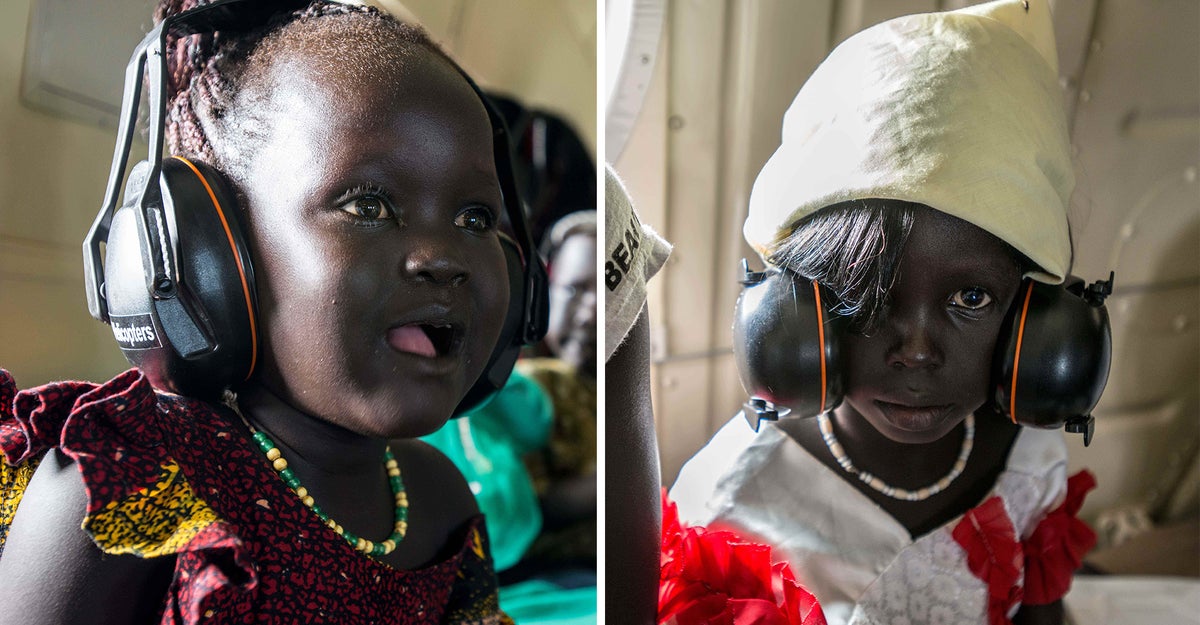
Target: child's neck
x: 307, y: 439
x: 914, y: 466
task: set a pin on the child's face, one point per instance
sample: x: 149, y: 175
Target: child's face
x: 372, y: 204
x: 928, y: 362
x: 572, y: 327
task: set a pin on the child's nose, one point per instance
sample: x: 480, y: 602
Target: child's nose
x: 433, y: 261
x: 916, y: 345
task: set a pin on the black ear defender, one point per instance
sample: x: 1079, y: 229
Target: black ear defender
x: 1050, y: 365
x: 528, y: 314
x: 785, y: 343
x: 170, y: 271
x: 1053, y: 355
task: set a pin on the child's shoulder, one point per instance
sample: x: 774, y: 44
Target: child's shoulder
x: 436, y: 488
x: 55, y: 558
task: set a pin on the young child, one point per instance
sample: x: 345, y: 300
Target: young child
x: 364, y: 165
x: 924, y: 169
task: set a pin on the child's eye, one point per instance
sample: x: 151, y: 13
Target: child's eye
x: 475, y: 218
x: 370, y: 207
x: 972, y: 298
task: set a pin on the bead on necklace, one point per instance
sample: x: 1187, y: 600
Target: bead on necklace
x: 280, y: 465
x: 843, y: 460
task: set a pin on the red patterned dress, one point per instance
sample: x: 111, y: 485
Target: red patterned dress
x: 168, y: 475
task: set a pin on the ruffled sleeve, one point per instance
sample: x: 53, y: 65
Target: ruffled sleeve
x: 474, y: 598
x: 1056, y: 548
x: 1034, y: 571
x: 994, y: 556
x: 138, y: 500
x: 715, y: 576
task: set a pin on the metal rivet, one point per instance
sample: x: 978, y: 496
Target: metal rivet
x: 1085, y: 96
x: 675, y: 122
x: 1189, y: 174
x: 1180, y: 323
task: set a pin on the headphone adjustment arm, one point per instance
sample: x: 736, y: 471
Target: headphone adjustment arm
x: 758, y: 409
x: 1099, y: 290
x: 750, y: 278
x: 1082, y: 424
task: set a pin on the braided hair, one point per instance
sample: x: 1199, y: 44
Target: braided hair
x: 214, y: 79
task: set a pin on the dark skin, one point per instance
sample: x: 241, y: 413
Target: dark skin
x: 914, y: 378
x: 632, y: 509
x: 371, y: 208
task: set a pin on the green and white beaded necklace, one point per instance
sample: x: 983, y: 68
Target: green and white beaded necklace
x: 374, y: 549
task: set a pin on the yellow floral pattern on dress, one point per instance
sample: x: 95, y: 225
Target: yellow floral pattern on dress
x: 153, y: 521
x: 13, y: 481
x: 472, y: 603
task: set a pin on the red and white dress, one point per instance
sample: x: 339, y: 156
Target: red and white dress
x: 1020, y: 545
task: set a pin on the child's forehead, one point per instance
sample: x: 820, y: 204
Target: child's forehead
x: 341, y: 51
x: 341, y: 91
x: 942, y: 242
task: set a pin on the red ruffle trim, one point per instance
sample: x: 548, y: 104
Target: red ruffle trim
x: 993, y: 555
x: 716, y: 577
x: 1036, y: 571
x: 1056, y: 548
x: 109, y: 430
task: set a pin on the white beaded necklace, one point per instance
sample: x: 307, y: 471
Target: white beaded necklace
x: 921, y: 494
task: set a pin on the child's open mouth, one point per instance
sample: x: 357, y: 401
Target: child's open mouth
x: 429, y: 339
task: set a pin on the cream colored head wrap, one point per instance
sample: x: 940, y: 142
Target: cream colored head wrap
x: 960, y: 111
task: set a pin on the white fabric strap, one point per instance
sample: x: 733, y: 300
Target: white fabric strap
x: 633, y: 253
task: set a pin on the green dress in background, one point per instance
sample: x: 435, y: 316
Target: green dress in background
x: 488, y: 446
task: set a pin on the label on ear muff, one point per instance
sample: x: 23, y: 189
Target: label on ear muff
x: 135, y: 331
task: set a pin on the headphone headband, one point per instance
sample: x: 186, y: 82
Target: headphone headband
x: 163, y: 279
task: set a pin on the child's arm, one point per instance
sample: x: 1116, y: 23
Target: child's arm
x: 633, y: 506
x: 52, y: 572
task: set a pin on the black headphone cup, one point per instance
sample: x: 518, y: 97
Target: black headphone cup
x: 786, y: 344
x: 1059, y: 348
x: 201, y: 339
x: 508, y: 347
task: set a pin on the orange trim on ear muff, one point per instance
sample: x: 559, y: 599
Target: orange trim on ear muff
x: 1012, y: 397
x: 241, y: 262
x: 820, y: 338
